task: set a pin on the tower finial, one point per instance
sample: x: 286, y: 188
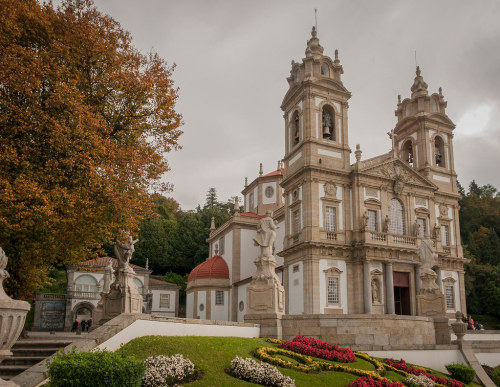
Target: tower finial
x: 336, y: 55
x: 212, y: 224
x: 440, y: 91
x: 246, y: 181
x: 357, y: 153
x: 399, y: 99
x: 313, y: 32
x: 236, y: 206
x: 316, y: 18
x: 261, y: 172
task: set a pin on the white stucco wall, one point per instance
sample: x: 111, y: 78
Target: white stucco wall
x: 435, y: 359
x: 219, y: 312
x: 248, y: 253
x: 278, y: 243
x: 142, y: 328
x: 228, y: 252
x: 296, y: 289
x: 189, y: 305
x: 242, y: 296
x: 202, y: 299
x: 155, y: 307
x: 272, y: 199
x: 490, y: 359
x: 325, y: 264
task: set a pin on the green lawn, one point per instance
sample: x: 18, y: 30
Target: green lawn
x: 214, y: 354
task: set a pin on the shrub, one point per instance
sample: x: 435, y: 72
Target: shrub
x: 103, y: 368
x: 163, y: 370
x: 369, y: 382
x: 495, y: 375
x: 419, y: 381
x: 260, y: 373
x: 461, y: 372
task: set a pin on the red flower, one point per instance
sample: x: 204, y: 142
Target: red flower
x: 366, y: 381
x: 401, y: 365
x: 317, y: 348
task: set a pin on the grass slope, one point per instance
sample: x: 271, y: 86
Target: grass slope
x: 214, y: 354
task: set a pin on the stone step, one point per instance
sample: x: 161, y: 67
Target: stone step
x: 23, y: 360
x: 9, y: 371
x: 34, y: 352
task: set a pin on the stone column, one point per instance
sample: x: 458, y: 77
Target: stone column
x: 418, y: 281
x: 367, y: 288
x: 439, y: 279
x: 389, y: 288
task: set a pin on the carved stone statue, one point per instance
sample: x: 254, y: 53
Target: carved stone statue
x: 364, y: 221
x: 436, y: 234
x: 416, y: 228
x: 265, y: 294
x: 266, y: 234
x: 124, y: 251
x: 430, y: 299
x: 387, y: 224
x: 108, y: 276
x: 375, y: 292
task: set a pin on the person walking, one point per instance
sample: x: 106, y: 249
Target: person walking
x: 74, y: 327
x: 89, y: 324
x: 84, y: 325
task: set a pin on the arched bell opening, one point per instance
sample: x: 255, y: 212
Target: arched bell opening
x: 328, y: 123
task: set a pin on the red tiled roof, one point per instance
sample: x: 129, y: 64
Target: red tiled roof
x: 214, y: 267
x: 276, y: 172
x: 103, y: 261
x: 252, y: 215
x: 159, y: 282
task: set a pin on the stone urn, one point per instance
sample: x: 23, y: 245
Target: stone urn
x: 459, y: 327
x: 12, y: 314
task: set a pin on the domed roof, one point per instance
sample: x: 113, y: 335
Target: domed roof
x: 214, y: 267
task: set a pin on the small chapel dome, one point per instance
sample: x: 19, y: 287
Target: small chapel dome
x: 214, y: 267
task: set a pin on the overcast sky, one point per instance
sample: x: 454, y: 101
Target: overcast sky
x: 233, y: 58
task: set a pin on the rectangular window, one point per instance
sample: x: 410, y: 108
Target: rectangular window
x: 221, y: 246
x: 333, y: 290
x: 250, y: 201
x: 295, y: 268
x: 450, y: 304
x: 164, y: 300
x: 422, y: 230
x: 372, y: 220
x: 330, y: 214
x: 296, y: 222
x: 219, y: 297
x: 445, y: 235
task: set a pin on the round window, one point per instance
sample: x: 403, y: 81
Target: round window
x: 269, y: 191
x: 241, y: 306
x: 202, y: 307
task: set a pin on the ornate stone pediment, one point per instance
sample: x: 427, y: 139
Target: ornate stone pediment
x: 400, y: 173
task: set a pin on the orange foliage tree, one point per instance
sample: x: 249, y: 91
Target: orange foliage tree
x: 85, y: 120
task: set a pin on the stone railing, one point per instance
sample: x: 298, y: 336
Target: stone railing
x: 84, y: 295
x: 382, y: 238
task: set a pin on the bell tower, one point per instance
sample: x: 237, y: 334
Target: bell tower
x: 317, y: 172
x: 424, y: 133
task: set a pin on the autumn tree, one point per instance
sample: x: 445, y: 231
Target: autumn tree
x: 85, y: 120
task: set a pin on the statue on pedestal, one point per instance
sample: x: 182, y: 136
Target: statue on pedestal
x: 265, y: 294
x: 430, y: 299
x: 122, y: 295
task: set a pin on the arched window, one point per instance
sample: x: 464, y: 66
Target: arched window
x: 296, y: 128
x: 325, y: 69
x: 397, y: 217
x: 434, y: 106
x: 328, y: 123
x: 86, y: 283
x: 439, y: 152
x: 138, y: 283
x: 408, y: 152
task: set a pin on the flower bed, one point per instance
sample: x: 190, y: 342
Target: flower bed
x: 369, y: 382
x: 164, y: 370
x: 419, y: 381
x: 400, y: 365
x: 317, y: 348
x: 260, y: 373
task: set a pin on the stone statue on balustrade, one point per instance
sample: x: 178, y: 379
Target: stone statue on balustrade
x: 123, y: 295
x: 265, y: 294
x: 430, y: 299
x: 387, y: 224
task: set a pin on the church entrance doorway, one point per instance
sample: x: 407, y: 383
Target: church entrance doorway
x: 402, y: 293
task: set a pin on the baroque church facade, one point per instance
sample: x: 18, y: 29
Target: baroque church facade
x: 348, y: 235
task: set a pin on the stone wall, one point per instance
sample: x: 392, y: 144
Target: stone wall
x: 364, y: 332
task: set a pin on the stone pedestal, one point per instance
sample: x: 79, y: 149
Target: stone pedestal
x: 430, y: 300
x: 442, y: 330
x: 265, y: 296
x: 270, y: 324
x: 122, y: 297
x: 12, y: 317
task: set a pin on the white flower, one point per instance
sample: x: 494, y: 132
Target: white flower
x: 261, y: 373
x: 163, y: 370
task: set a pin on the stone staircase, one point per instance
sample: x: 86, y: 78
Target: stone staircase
x: 27, y: 353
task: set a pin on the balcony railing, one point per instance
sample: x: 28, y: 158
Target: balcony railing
x: 389, y: 239
x: 84, y: 295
